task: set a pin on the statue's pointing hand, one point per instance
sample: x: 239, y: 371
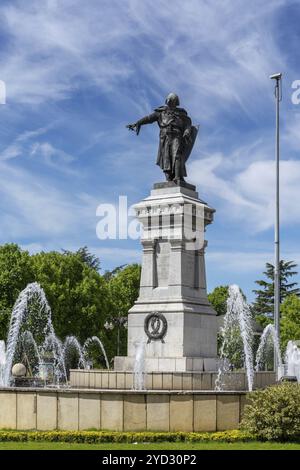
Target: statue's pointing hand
x: 134, y: 127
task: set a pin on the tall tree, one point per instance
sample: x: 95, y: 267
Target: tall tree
x: 263, y: 306
x: 218, y: 298
x: 76, y: 292
x: 123, y: 287
x: 81, y: 299
x: 15, y: 273
x: 83, y: 253
x: 290, y: 319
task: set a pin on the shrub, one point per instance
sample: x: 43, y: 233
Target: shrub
x: 274, y: 413
x: 95, y: 437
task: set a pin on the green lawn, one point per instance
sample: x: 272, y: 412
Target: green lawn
x: 157, y: 446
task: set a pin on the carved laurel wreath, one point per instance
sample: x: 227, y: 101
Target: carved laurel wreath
x: 155, y: 326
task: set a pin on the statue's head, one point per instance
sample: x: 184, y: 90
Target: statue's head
x: 172, y: 100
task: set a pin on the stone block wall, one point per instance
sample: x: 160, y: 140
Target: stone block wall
x: 120, y: 410
x: 103, y: 379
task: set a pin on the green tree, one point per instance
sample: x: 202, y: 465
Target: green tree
x: 15, y: 273
x: 76, y: 292
x: 263, y: 306
x: 290, y: 319
x: 123, y: 287
x: 81, y: 299
x: 88, y: 258
x: 218, y: 298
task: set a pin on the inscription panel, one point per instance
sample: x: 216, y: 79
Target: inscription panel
x: 162, y: 258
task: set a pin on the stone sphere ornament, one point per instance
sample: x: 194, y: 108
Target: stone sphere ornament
x: 18, y: 370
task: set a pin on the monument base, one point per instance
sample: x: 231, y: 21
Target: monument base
x: 167, y: 364
x: 172, y: 327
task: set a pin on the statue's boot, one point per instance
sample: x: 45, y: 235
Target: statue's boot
x: 178, y: 177
x: 168, y: 176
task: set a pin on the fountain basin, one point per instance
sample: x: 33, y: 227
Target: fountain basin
x: 185, y: 381
x: 120, y: 410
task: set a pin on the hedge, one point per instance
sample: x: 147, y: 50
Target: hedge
x: 94, y: 437
x: 273, y: 413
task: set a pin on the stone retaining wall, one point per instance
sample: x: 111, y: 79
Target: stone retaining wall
x: 98, y: 379
x: 120, y: 410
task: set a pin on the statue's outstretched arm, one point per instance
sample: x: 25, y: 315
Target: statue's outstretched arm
x: 141, y: 122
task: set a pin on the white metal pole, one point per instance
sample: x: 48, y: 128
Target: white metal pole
x: 277, y: 77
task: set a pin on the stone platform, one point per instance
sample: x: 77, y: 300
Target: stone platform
x: 172, y: 381
x: 167, y: 364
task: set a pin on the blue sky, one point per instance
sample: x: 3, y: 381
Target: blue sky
x: 77, y: 72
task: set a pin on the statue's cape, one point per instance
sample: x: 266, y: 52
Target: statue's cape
x: 188, y: 143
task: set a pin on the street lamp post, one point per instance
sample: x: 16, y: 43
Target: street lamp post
x: 118, y: 322
x: 278, y: 96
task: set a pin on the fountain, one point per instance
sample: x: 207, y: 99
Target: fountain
x: 2, y: 360
x: 139, y: 366
x: 72, y: 343
x: 237, y: 343
x: 292, y: 360
x: 237, y: 326
x: 31, y: 340
x: 95, y: 340
x: 269, y: 344
x: 48, y: 359
x: 32, y: 296
x: 31, y: 352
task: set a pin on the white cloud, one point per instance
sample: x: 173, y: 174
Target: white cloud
x: 291, y: 135
x: 117, y: 255
x: 210, y: 52
x: 12, y: 151
x: 33, y: 207
x: 16, y: 148
x: 47, y: 152
x: 257, y: 183
x: 243, y: 262
x: 248, y: 195
x: 28, y: 135
x: 52, y: 156
x: 239, y: 261
x: 204, y: 173
x: 53, y: 46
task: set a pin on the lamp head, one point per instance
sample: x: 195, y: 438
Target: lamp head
x: 276, y: 76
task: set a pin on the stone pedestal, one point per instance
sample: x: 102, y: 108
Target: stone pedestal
x: 172, y: 314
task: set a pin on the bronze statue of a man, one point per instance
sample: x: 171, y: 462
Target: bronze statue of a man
x: 176, y: 139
